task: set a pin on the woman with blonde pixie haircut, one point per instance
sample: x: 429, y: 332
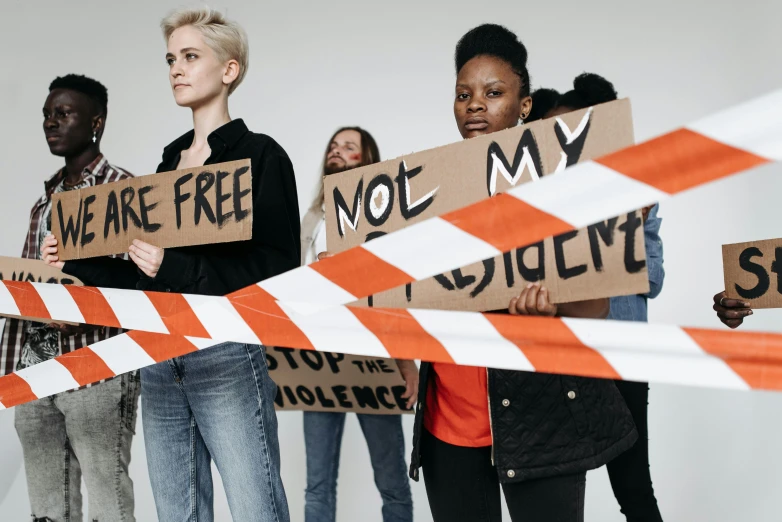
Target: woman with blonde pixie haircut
x: 219, y: 402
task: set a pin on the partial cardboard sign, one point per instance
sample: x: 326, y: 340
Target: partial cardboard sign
x: 752, y: 272
x: 604, y: 260
x: 33, y: 271
x: 203, y: 205
x: 321, y: 381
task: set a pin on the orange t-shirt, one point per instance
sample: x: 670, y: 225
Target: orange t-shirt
x: 457, y: 405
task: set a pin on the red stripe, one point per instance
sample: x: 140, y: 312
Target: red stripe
x: 361, y: 272
x: 755, y: 357
x: 267, y: 320
x: 401, y: 334
x: 177, y: 314
x: 162, y: 347
x: 15, y: 391
x: 506, y: 222
x: 85, y: 366
x: 551, y: 346
x: 27, y: 300
x: 687, y: 159
x: 93, y: 306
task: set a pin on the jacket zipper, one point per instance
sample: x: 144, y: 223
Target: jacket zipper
x: 491, y: 429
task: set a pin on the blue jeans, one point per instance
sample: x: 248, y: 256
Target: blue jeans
x: 386, y: 442
x: 217, y: 403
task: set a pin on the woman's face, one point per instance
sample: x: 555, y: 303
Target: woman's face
x: 487, y: 97
x: 195, y: 73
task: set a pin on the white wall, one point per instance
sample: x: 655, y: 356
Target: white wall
x: 388, y: 67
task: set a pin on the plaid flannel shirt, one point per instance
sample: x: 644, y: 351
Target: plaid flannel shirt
x: 96, y: 173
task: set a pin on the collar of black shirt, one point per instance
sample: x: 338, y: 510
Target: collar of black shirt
x: 221, y: 139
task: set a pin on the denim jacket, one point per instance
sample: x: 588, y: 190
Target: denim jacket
x: 633, y: 307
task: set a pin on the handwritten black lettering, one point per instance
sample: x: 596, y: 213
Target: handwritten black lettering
x: 343, y: 213
x: 288, y: 353
x: 360, y: 365
x: 334, y: 359
x: 87, y: 237
x: 291, y: 396
x: 532, y: 275
x: 126, y: 196
x: 381, y: 187
x: 398, y: 391
x: 112, y: 215
x: 340, y: 392
x: 312, y: 359
x: 271, y: 362
x: 204, y: 182
x: 606, y: 231
x: 221, y: 198
x: 559, y: 257
x: 69, y: 230
x: 776, y: 267
x: 180, y: 198
x: 527, y: 157
x: 510, y: 277
x: 629, y: 227
x: 384, y: 367
x: 382, y: 392
x: 305, y: 395
x: 324, y: 401
x: 572, y: 143
x: 365, y: 397
x: 239, y: 212
x: 746, y: 263
x: 410, y: 210
x: 371, y: 367
x: 145, y: 209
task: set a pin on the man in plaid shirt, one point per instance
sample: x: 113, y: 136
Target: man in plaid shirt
x: 86, y: 432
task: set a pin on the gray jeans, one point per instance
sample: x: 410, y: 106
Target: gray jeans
x: 80, y: 433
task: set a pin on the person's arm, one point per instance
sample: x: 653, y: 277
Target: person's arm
x: 534, y: 300
x: 654, y: 252
x: 274, y: 248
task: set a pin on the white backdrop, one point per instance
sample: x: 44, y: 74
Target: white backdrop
x: 388, y: 67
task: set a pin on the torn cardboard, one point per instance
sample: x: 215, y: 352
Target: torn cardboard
x: 606, y: 260
x: 752, y: 271
x: 320, y: 381
x: 203, y: 205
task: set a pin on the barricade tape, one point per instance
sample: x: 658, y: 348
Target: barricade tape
x: 272, y: 311
x: 592, y: 348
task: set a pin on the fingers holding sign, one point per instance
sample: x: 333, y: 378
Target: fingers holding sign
x: 50, y: 252
x: 147, y: 257
x: 731, y: 311
x: 534, y: 300
x: 409, y: 372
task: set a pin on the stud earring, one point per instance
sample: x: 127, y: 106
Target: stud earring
x: 94, y: 137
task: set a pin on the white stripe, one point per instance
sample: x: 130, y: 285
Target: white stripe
x: 220, y: 319
x: 59, y: 303
x: 430, y: 247
x: 305, y: 285
x: 48, y: 378
x: 7, y: 303
x: 337, y: 330
x: 755, y: 126
x: 201, y: 343
x: 122, y: 354
x: 587, y: 193
x: 134, y: 310
x: 471, y: 339
x: 2, y: 406
x: 658, y: 353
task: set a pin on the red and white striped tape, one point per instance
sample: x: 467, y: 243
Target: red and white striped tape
x: 593, y: 348
x: 275, y: 311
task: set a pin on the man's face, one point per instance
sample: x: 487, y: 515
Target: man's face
x: 68, y: 122
x: 344, y: 152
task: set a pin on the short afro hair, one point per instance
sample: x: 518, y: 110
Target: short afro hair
x: 93, y: 89
x: 588, y: 89
x: 498, y: 41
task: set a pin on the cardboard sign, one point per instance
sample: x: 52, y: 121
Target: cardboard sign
x: 752, y: 272
x: 321, y: 381
x: 607, y: 259
x: 33, y: 271
x: 209, y: 204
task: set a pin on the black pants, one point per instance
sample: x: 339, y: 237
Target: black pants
x: 463, y: 486
x: 629, y: 472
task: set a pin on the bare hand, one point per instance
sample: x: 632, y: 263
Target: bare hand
x: 147, y: 257
x: 323, y: 255
x: 409, y: 372
x: 50, y: 252
x: 731, y: 311
x: 533, y: 301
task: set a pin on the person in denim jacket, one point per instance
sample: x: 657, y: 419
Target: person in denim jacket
x: 629, y: 472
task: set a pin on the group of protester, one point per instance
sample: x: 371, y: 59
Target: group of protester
x: 477, y: 431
